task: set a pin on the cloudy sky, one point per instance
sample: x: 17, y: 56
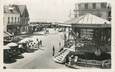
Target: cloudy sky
x: 48, y: 10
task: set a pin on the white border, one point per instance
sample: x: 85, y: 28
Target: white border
x: 57, y: 70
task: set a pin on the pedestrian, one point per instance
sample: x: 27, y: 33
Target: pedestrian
x: 67, y: 60
x: 41, y: 42
x: 37, y: 43
x: 76, y: 59
x: 71, y: 60
x: 53, y: 51
x: 59, y: 44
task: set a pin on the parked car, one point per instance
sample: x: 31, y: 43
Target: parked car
x: 11, y: 51
x: 7, y: 54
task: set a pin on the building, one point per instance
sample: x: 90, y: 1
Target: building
x: 15, y: 19
x: 92, y: 30
x: 100, y: 9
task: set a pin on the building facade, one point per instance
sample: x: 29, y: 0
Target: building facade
x: 15, y: 19
x: 100, y: 9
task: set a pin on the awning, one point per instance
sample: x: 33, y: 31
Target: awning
x: 7, y: 34
x: 12, y: 44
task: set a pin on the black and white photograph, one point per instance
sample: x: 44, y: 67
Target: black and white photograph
x: 57, y: 34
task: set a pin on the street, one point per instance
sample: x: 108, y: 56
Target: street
x: 42, y: 58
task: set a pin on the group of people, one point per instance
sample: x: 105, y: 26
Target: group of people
x: 71, y: 60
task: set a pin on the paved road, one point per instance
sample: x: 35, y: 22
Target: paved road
x: 41, y: 59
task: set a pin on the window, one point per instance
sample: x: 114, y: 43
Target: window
x: 94, y: 5
x: 103, y: 5
x: 18, y: 19
x: 12, y: 19
x: 86, y: 6
x: 79, y: 6
x: 8, y: 19
x: 15, y: 19
x: 11, y: 10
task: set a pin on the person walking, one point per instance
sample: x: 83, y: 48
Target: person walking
x: 41, y: 42
x: 53, y: 51
x: 60, y: 44
x: 38, y: 43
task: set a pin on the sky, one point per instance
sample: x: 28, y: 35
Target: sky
x: 49, y: 10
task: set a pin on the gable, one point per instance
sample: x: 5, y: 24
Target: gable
x: 23, y: 10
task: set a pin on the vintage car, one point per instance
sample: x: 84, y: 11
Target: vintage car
x: 29, y: 44
x: 7, y: 54
x: 11, y: 51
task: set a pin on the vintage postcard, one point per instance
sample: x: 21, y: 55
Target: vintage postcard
x: 76, y: 35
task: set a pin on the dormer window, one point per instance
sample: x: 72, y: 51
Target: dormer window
x: 11, y: 9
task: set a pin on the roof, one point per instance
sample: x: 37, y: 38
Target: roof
x: 88, y: 19
x: 10, y: 9
x: 15, y: 9
x: 73, y: 20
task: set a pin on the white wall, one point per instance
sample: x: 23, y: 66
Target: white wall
x: 5, y: 19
